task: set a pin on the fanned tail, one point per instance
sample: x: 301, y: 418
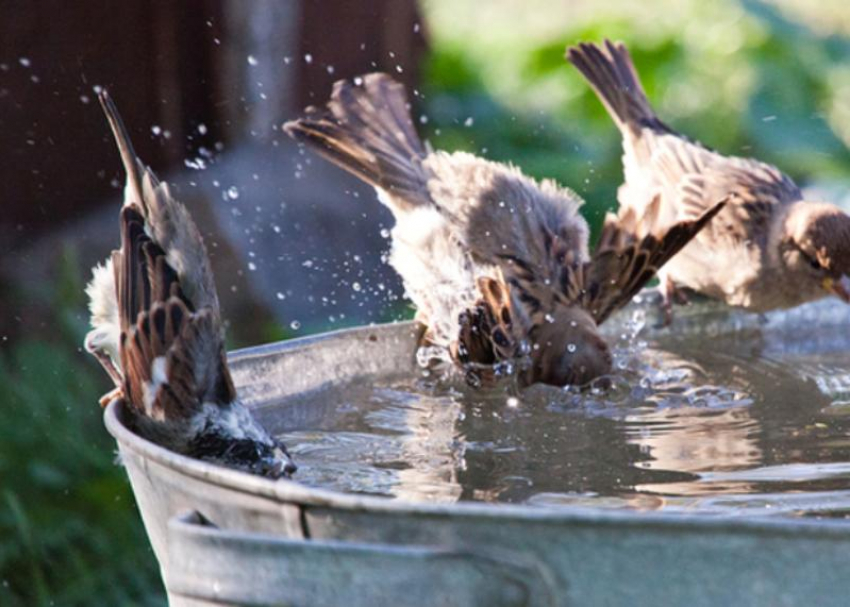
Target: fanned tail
x: 610, y: 72
x: 366, y: 129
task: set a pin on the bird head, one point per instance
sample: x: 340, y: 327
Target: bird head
x: 566, y: 348
x: 817, y: 247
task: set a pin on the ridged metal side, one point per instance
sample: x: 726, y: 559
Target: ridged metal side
x: 227, y: 538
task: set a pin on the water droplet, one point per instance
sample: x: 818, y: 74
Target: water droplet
x: 280, y: 296
x: 24, y: 61
x: 252, y: 266
x: 385, y: 233
x: 308, y: 58
x: 573, y: 323
x: 330, y: 69
x: 156, y: 130
x: 295, y: 325
x: 233, y: 192
x: 549, y: 318
x: 84, y: 98
x: 252, y: 60
x: 202, y: 129
x: 469, y: 122
x: 358, y: 81
x: 571, y: 348
x: 308, y: 263
x: 356, y: 286
x: 423, y: 119
x: 513, y: 402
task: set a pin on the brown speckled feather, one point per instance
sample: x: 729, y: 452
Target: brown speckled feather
x: 629, y: 254
x: 172, y: 356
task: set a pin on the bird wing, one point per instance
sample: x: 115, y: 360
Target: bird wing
x: 629, y: 253
x: 489, y: 332
x: 694, y: 178
x: 172, y: 355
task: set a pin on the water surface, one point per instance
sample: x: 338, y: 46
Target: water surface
x: 742, y: 415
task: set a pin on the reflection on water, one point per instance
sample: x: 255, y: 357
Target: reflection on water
x: 745, y: 422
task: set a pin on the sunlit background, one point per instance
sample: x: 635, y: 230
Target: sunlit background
x: 298, y: 246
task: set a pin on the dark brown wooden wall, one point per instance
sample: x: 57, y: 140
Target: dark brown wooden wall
x: 161, y: 61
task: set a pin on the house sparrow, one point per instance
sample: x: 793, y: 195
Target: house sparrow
x: 768, y: 249
x: 156, y: 329
x: 496, y: 263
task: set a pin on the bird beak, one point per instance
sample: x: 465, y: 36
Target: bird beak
x: 840, y: 287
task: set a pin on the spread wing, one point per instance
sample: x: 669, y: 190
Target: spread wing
x: 489, y: 332
x: 696, y: 178
x: 628, y: 255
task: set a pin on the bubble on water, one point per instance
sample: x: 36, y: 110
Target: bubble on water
x: 308, y: 58
x: 280, y: 296
x: 252, y: 60
x: 25, y: 61
x: 356, y: 286
x: 571, y: 348
x: 276, y: 228
x: 233, y: 192
x: 308, y: 263
x: 385, y: 233
x: 295, y: 325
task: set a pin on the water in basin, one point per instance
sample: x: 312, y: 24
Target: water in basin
x: 728, y: 414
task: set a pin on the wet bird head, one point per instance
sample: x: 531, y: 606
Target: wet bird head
x: 566, y: 348
x: 818, y: 246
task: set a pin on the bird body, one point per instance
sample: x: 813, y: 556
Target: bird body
x: 156, y: 329
x: 496, y: 263
x: 768, y: 249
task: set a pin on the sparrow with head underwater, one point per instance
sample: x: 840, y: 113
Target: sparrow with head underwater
x: 496, y: 263
x: 768, y: 249
x: 156, y: 329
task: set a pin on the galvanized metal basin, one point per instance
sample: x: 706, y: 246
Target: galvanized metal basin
x: 224, y: 537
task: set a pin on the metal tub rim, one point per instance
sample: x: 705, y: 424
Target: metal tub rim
x: 292, y: 492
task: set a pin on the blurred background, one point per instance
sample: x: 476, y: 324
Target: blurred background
x: 298, y: 247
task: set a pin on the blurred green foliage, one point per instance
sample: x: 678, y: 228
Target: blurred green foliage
x: 741, y: 77
x: 70, y: 532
